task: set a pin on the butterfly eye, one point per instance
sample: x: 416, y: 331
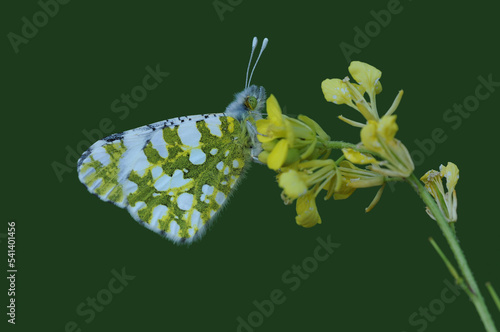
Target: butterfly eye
x: 251, y: 102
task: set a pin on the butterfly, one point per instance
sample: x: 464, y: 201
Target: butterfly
x: 175, y: 176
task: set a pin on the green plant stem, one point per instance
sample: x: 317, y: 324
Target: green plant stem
x: 452, y: 226
x: 450, y: 266
x: 493, y: 295
x: 459, y: 280
x: 475, y: 295
x: 343, y: 145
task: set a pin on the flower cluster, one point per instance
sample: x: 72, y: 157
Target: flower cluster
x: 286, y: 140
x: 303, y: 182
x: 300, y: 151
x: 296, y: 148
x: 377, y: 134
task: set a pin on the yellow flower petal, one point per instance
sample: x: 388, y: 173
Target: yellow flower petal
x: 293, y: 183
x: 360, y: 88
x: 274, y: 126
x: 307, y: 212
x: 274, y: 113
x: 429, y: 176
x: 451, y: 174
x: 357, y: 157
x: 366, y: 75
x: 434, y: 184
x: 262, y: 125
x: 278, y: 155
x: 269, y: 131
x: 344, y: 192
x: 369, y: 136
x: 264, y: 131
x: 387, y: 127
x: 336, y: 91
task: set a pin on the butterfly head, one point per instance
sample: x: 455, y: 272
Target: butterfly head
x: 250, y: 101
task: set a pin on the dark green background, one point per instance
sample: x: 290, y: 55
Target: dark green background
x: 68, y: 241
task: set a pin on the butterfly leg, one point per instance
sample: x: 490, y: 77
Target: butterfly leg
x: 256, y: 147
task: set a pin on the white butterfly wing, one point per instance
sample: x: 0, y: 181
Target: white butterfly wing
x: 173, y: 176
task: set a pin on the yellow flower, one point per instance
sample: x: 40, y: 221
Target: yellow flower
x: 340, y: 189
x: 354, y: 177
x: 433, y: 183
x: 375, y: 132
x: 378, y: 137
x: 273, y: 133
x: 367, y: 76
x: 336, y: 91
x: 446, y: 201
x: 274, y: 126
x: 303, y: 182
x: 307, y: 212
x: 293, y: 183
x: 286, y: 140
x: 313, y: 174
x: 344, y: 92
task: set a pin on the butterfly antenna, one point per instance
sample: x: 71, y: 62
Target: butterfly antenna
x: 264, y: 44
x: 254, y: 45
